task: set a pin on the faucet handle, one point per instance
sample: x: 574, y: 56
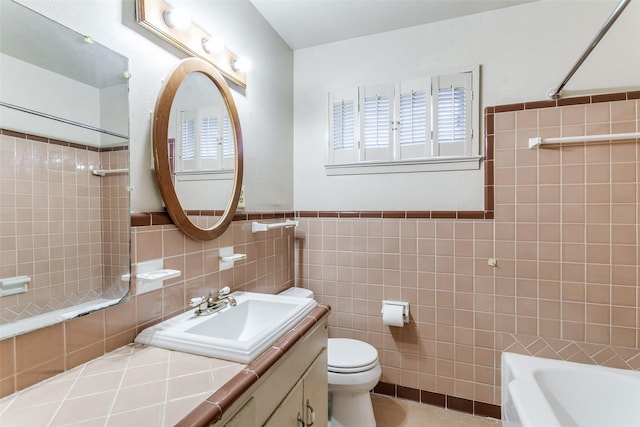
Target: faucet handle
x: 194, y: 302
x: 224, y: 291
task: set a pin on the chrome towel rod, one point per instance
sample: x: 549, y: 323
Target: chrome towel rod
x: 537, y: 141
x: 62, y: 120
x: 103, y: 172
x: 557, y: 93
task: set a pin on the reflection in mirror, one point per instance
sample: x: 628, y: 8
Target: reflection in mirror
x: 203, y: 160
x: 64, y: 157
x: 197, y: 146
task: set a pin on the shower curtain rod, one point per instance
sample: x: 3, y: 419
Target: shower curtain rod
x: 557, y: 93
x: 62, y: 120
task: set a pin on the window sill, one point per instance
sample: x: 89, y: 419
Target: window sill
x: 204, y: 175
x: 433, y: 164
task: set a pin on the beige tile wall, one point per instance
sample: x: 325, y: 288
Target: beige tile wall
x: 32, y: 357
x: 115, y: 223
x: 51, y: 211
x: 565, y: 237
x: 268, y: 267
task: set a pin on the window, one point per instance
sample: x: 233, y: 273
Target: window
x: 417, y: 122
x: 188, y: 135
x: 343, y: 118
x: 413, y: 120
x: 452, y: 130
x: 206, y: 141
x: 376, y: 121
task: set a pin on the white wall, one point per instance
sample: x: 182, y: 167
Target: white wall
x: 265, y: 108
x: 23, y: 84
x: 112, y: 116
x: 524, y: 51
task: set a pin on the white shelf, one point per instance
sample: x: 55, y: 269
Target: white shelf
x: 228, y: 257
x: 258, y: 226
x: 152, y: 276
x: 14, y: 285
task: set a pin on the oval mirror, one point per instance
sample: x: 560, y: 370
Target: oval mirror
x: 197, y: 147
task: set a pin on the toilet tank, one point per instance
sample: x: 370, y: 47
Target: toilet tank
x: 297, y: 292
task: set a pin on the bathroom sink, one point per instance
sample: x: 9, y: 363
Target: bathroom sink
x: 239, y: 333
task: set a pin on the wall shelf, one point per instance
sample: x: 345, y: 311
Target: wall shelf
x: 152, y: 276
x: 14, y: 285
x: 258, y: 226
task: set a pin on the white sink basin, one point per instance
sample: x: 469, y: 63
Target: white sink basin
x: 239, y: 333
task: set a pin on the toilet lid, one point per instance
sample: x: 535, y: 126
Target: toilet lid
x: 345, y: 355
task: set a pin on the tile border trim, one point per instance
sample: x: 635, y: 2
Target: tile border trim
x: 146, y: 219
x: 459, y: 404
x: 47, y: 140
x: 561, y: 102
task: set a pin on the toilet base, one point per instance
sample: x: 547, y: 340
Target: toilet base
x: 351, y: 410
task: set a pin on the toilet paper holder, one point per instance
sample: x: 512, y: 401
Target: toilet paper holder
x: 403, y: 304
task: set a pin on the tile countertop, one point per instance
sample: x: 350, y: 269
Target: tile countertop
x: 140, y: 385
x: 132, y: 384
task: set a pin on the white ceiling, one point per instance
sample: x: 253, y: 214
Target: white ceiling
x: 305, y: 23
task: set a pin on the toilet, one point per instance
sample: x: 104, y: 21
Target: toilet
x: 353, y: 370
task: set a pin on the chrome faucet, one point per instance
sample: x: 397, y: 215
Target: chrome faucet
x: 212, y: 303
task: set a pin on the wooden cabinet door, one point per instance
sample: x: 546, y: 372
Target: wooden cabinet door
x: 245, y: 416
x: 287, y: 414
x: 316, y: 392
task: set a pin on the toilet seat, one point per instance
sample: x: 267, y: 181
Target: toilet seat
x: 348, y: 356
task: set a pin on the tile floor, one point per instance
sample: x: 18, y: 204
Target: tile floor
x: 390, y: 412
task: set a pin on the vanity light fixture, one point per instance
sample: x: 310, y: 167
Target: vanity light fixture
x: 242, y: 64
x: 213, y: 45
x: 161, y: 18
x: 176, y: 18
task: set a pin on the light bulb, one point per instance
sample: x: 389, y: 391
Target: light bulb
x: 242, y: 64
x: 176, y: 18
x: 213, y: 45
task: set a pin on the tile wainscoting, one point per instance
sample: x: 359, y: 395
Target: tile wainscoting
x: 63, y: 227
x: 32, y: 357
x: 562, y: 223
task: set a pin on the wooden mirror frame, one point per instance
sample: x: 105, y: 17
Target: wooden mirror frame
x: 161, y: 150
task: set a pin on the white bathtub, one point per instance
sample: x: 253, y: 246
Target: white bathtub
x: 540, y: 392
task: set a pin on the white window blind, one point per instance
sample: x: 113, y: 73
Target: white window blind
x: 344, y: 129
x: 426, y: 121
x: 206, y: 141
x: 209, y: 138
x: 452, y: 96
x: 343, y: 125
x: 228, y: 145
x: 412, y: 127
x: 188, y: 139
x: 452, y: 115
x: 412, y: 120
x: 186, y: 149
x: 376, y: 119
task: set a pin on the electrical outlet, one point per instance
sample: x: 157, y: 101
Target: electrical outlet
x: 241, y: 201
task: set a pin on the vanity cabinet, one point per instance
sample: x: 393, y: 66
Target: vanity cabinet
x: 282, y: 393
x: 306, y: 403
